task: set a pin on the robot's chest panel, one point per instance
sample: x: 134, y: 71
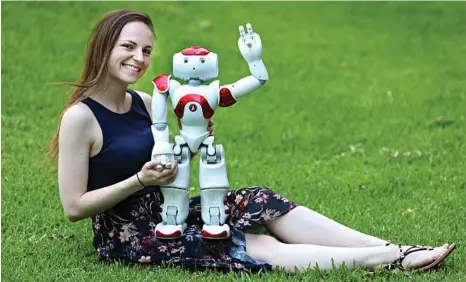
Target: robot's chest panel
x: 194, y: 103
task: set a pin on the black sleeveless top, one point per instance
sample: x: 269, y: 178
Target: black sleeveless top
x: 127, y: 143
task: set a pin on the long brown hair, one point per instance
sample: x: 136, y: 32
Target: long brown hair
x: 100, y: 45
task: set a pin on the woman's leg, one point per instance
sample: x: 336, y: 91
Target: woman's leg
x: 305, y: 226
x: 302, y: 256
x: 290, y: 222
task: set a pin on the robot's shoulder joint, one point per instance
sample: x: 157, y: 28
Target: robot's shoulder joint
x: 226, y: 98
x: 162, y: 83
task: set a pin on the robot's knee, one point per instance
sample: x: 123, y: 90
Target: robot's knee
x: 182, y: 153
x: 213, y: 172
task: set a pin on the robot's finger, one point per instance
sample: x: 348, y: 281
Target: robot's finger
x: 163, y: 160
x: 168, y: 163
x: 159, y: 168
x: 169, y: 168
x: 241, y: 31
x: 249, y: 28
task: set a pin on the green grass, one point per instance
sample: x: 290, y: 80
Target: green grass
x: 355, y: 84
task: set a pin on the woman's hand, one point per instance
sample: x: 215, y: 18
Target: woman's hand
x: 150, y: 176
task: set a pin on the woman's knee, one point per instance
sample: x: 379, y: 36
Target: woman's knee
x: 261, y: 247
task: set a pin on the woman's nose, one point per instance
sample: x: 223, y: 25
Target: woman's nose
x: 138, y: 56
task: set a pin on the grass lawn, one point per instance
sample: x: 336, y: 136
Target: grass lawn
x: 363, y: 120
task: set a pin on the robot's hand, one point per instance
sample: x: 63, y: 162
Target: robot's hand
x: 163, y: 153
x: 250, y: 44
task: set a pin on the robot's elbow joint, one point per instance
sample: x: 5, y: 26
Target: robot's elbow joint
x: 160, y: 126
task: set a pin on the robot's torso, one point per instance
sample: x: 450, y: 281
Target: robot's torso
x: 194, y: 106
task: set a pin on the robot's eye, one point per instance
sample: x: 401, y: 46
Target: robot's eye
x: 185, y: 61
x: 202, y: 61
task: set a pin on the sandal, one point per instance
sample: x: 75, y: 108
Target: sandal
x: 398, y: 266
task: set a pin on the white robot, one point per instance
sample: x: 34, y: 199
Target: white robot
x: 194, y: 104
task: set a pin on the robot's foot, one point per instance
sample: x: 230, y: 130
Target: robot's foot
x: 215, y: 231
x: 164, y: 231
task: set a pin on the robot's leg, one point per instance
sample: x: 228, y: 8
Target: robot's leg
x: 176, y: 198
x: 214, y: 187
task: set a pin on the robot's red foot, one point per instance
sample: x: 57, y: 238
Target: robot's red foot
x: 163, y: 231
x: 215, y: 231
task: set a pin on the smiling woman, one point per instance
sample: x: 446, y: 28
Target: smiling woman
x: 104, y: 145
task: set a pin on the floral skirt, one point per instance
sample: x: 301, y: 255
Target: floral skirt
x: 126, y: 232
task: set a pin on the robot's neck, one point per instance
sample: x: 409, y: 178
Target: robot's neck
x: 194, y: 82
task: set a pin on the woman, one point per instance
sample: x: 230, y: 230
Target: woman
x: 104, y: 144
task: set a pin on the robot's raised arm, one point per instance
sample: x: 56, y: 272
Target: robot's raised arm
x: 162, y: 85
x: 228, y: 94
x: 250, y: 46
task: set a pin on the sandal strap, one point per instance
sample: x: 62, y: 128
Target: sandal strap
x: 414, y: 249
x: 397, y: 264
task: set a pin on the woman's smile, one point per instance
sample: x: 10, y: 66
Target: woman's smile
x: 132, y: 68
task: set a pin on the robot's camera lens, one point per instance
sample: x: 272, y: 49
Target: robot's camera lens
x: 202, y: 61
x: 185, y: 61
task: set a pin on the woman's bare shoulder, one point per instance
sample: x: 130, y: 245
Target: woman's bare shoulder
x: 146, y: 98
x: 77, y: 117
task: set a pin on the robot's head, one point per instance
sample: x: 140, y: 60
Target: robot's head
x: 195, y: 63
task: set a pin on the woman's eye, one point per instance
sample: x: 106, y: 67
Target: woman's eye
x: 128, y: 46
x: 147, y: 52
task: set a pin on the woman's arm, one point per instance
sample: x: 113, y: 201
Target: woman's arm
x: 75, y: 141
x: 147, y: 99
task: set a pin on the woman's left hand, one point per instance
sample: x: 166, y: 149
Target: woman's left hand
x: 210, y: 127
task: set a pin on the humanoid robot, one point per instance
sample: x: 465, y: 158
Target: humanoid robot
x: 194, y: 104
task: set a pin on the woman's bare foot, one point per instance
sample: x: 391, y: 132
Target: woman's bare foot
x: 419, y: 259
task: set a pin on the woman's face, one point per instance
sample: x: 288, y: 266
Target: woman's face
x: 130, y: 57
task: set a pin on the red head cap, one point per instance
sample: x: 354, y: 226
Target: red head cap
x: 195, y: 51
